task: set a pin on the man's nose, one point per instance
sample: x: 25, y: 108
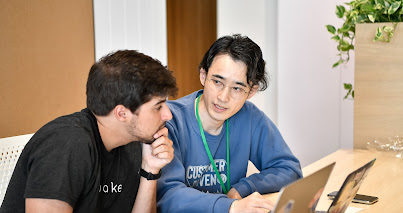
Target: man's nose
x: 224, y: 94
x: 166, y: 114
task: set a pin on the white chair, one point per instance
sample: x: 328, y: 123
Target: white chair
x: 10, y: 150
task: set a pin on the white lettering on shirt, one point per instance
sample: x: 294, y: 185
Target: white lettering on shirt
x: 204, y: 175
x: 114, y: 188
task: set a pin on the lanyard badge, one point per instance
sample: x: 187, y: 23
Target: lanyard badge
x: 225, y: 189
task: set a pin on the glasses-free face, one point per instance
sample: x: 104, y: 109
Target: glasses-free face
x: 148, y: 119
x: 236, y: 91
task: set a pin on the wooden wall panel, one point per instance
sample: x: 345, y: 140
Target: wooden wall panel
x: 192, y: 28
x: 46, y: 51
x: 378, y: 101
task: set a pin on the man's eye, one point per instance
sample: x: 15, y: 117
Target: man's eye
x: 159, y: 108
x: 238, y: 89
x: 217, y: 82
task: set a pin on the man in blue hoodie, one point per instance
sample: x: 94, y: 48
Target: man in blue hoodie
x: 215, y: 131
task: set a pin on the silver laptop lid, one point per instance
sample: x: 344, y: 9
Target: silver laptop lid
x: 302, y: 195
x: 349, y: 188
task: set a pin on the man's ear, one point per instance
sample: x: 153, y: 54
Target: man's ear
x: 253, y: 91
x: 203, y: 76
x: 121, y: 112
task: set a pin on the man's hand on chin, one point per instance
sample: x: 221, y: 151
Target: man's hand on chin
x: 159, y: 153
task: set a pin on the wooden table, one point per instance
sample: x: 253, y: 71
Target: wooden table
x: 385, y: 180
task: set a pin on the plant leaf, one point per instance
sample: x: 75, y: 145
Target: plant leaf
x: 378, y: 6
x: 349, y: 89
x: 393, y: 8
x: 361, y: 1
x: 378, y: 34
x: 345, y: 48
x: 340, y: 9
x: 361, y: 18
x: 336, y: 38
x: 346, y: 34
x: 380, y: 2
x: 387, y: 5
x: 371, y: 17
x: 352, y: 16
x: 331, y: 29
x: 351, y: 47
x: 344, y: 28
x: 348, y: 86
x: 367, y: 8
x: 387, y: 29
x: 344, y: 42
x: 337, y: 63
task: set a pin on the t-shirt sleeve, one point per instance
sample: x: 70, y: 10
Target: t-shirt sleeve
x: 60, y: 166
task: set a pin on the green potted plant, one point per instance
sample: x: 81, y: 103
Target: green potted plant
x: 363, y: 11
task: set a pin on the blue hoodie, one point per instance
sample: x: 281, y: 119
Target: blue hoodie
x: 189, y: 183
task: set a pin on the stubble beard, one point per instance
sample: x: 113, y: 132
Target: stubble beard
x: 135, y: 132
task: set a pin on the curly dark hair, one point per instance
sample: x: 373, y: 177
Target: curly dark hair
x: 239, y: 48
x: 129, y: 78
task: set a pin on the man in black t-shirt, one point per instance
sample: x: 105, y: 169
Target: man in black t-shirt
x: 107, y: 157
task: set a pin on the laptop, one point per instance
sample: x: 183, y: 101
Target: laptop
x: 349, y: 188
x: 304, y: 193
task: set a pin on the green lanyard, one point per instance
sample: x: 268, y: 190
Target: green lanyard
x: 209, y: 153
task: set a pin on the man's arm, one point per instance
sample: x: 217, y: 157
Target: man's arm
x: 146, y: 196
x: 38, y: 205
x: 155, y: 156
x: 275, y: 161
x: 59, y: 169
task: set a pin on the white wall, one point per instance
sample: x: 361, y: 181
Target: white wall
x: 131, y: 24
x: 306, y: 95
x: 256, y: 19
x: 312, y: 113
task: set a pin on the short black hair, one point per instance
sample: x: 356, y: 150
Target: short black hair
x: 239, y: 48
x: 129, y: 78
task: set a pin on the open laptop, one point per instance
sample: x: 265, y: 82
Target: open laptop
x: 303, y: 193
x: 349, y: 188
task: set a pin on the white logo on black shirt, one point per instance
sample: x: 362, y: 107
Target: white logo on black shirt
x: 112, y: 188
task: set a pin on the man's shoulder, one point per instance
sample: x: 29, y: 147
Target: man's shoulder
x: 183, y: 104
x: 251, y: 114
x: 82, y: 119
x: 250, y: 109
x: 74, y: 128
x: 184, y: 101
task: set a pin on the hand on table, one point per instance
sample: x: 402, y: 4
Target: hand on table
x: 252, y: 203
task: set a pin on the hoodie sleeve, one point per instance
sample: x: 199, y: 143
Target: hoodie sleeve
x: 272, y: 157
x: 174, y: 196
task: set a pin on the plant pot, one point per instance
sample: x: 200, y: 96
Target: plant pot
x: 378, y: 101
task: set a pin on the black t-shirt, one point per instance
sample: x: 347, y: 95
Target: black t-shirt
x: 66, y: 160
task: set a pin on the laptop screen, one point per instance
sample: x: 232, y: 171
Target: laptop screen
x: 349, y: 188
